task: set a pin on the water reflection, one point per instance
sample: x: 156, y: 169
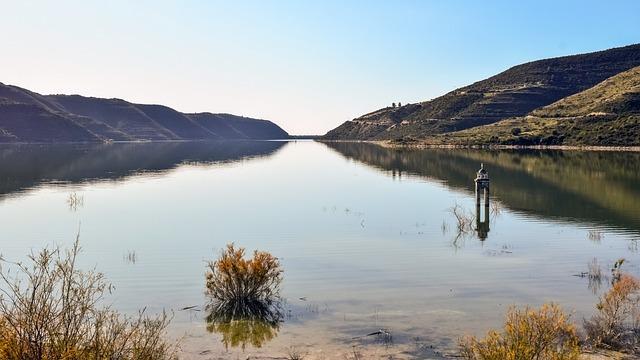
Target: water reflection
x: 482, y: 191
x: 24, y: 167
x: 482, y: 221
x: 578, y: 186
x: 253, y: 326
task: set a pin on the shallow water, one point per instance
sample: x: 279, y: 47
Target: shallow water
x: 364, y: 233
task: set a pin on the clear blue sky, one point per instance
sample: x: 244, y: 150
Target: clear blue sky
x: 307, y: 65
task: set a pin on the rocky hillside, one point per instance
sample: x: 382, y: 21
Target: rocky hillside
x: 26, y: 116
x: 513, y: 93
x: 606, y: 114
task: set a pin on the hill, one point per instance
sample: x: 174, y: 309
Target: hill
x: 606, y: 114
x: 513, y: 93
x: 26, y: 116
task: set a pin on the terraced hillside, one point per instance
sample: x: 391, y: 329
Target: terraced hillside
x: 513, y: 93
x: 606, y: 114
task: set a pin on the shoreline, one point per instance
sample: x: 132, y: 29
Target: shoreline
x: 143, y: 141
x: 421, y: 145
x: 414, y: 145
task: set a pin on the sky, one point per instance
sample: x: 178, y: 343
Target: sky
x: 306, y: 65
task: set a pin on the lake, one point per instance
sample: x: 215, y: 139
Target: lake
x: 365, y: 234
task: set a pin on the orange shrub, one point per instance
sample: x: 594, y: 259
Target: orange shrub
x: 238, y: 283
x: 543, y: 334
x: 616, y: 323
x: 245, y: 305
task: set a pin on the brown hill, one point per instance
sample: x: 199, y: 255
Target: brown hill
x: 512, y: 93
x: 26, y: 116
x: 606, y: 114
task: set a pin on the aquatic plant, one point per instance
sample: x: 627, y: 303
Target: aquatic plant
x: 595, y: 271
x: 242, y: 286
x: 545, y: 333
x: 496, y: 208
x: 444, y: 227
x: 595, y: 235
x: 49, y: 310
x: 464, y: 225
x: 595, y: 275
x: 464, y: 220
x: 617, y: 323
x: 130, y: 257
x: 245, y: 304
x: 75, y: 201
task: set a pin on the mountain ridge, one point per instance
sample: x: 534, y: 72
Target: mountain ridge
x: 26, y: 117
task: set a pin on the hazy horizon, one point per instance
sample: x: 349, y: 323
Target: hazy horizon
x: 307, y: 67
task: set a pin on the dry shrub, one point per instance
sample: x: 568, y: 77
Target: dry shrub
x: 531, y: 334
x: 296, y: 353
x: 50, y: 310
x: 245, y: 305
x: 616, y: 324
x: 616, y: 270
x: 464, y: 220
x: 239, y: 285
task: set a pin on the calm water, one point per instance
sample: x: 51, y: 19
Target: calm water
x: 364, y: 233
